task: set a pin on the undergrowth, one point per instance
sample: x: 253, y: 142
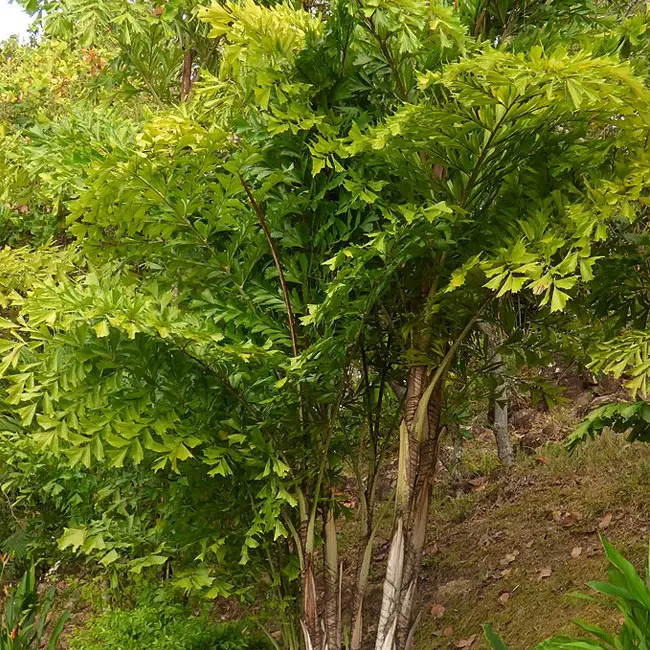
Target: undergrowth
x: 167, y: 627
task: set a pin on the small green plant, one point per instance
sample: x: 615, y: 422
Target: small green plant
x: 163, y: 627
x: 627, y: 592
x: 26, y: 621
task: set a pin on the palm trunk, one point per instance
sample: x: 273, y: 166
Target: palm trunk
x: 363, y: 574
x: 320, y: 621
x: 419, y: 433
x: 309, y: 621
x: 457, y: 440
x: 364, y: 560
x: 309, y: 617
x: 332, y: 622
x: 419, y: 511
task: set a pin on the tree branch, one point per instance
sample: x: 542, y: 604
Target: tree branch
x: 276, y: 258
x: 383, y: 46
x: 479, y: 162
x: 223, y: 380
x: 186, y: 79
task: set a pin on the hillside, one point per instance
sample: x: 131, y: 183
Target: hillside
x: 509, y: 548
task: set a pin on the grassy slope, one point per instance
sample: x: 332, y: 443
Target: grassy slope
x: 499, y: 536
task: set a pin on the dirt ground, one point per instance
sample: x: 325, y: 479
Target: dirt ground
x: 509, y: 549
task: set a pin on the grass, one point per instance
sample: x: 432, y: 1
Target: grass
x: 505, y: 537
x: 162, y: 627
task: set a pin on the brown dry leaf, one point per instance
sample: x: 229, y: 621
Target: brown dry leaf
x: 157, y: 11
x: 437, y: 610
x: 542, y: 459
x: 478, y: 484
x: 504, y: 597
x: 509, y: 558
x: 576, y: 552
x: 571, y: 518
x: 448, y: 631
x: 605, y: 521
x: 463, y: 644
x: 544, y: 572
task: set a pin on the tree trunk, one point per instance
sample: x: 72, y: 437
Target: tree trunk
x: 499, y: 398
x: 309, y: 620
x: 419, y: 435
x: 504, y: 447
x: 320, y: 621
x: 332, y: 613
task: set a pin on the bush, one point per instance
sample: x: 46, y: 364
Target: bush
x: 627, y: 592
x: 166, y: 627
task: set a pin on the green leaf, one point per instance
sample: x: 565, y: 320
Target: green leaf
x: 72, y: 538
x: 109, y: 558
x: 493, y: 639
x: 575, y: 91
x: 558, y: 300
x: 102, y: 329
x: 140, y: 563
x: 27, y: 414
x: 196, y: 579
x: 137, y: 453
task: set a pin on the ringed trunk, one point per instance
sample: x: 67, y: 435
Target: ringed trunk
x: 309, y: 621
x: 419, y: 434
x: 332, y: 622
